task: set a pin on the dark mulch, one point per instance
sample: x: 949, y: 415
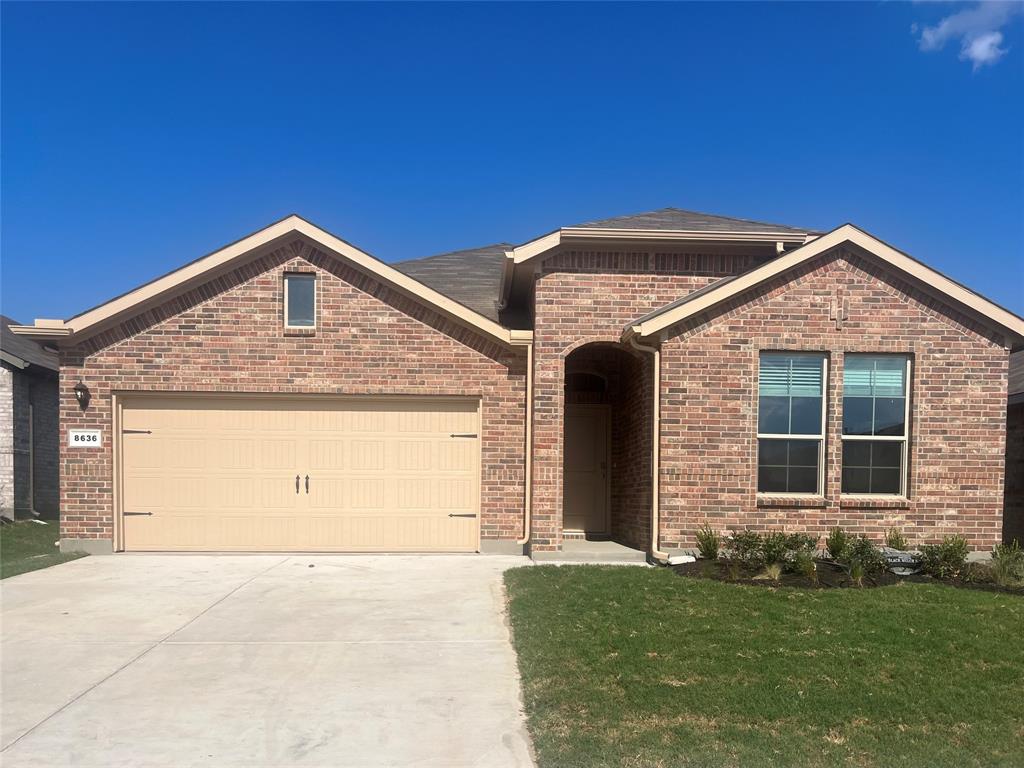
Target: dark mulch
x: 830, y: 576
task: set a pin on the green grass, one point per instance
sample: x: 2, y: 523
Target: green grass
x: 639, y: 667
x: 27, y: 546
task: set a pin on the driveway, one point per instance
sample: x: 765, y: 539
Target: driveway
x: 246, y: 660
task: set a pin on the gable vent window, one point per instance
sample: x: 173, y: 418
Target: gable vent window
x: 299, y: 300
x: 791, y: 423
x: 875, y: 415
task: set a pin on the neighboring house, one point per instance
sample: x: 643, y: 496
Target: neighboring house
x: 1013, y: 504
x: 631, y: 378
x: 29, y: 433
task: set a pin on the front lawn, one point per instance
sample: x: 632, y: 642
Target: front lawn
x: 28, y: 546
x: 630, y: 666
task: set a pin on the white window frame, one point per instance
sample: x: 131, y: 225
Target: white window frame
x: 904, y: 438
x: 312, y: 276
x: 820, y: 492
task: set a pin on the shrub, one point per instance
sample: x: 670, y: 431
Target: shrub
x: 895, y: 539
x: 836, y: 543
x: 773, y: 571
x: 1007, y: 565
x: 857, y: 573
x: 746, y: 549
x: 866, y: 556
x: 708, y: 542
x: 946, y: 560
x: 774, y: 547
x: 802, y: 562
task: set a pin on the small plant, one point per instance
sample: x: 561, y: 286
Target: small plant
x: 836, y: 543
x: 733, y: 567
x: 895, y: 539
x: 802, y: 563
x: 774, y: 547
x: 857, y: 573
x: 746, y: 548
x: 1007, y: 565
x: 772, y: 571
x: 946, y: 560
x: 708, y: 542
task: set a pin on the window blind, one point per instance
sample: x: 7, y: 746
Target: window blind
x: 790, y: 376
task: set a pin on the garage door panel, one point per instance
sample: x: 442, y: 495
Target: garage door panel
x: 220, y: 474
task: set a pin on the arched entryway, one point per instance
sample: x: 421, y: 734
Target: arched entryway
x: 606, y: 467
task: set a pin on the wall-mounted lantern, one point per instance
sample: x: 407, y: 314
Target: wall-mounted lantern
x: 82, y: 394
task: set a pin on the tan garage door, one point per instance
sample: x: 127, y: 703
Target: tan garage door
x: 281, y: 474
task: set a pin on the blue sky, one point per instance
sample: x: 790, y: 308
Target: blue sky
x: 137, y: 137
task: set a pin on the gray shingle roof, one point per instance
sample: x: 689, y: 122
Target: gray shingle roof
x: 471, y: 277
x: 690, y: 221
x: 30, y: 351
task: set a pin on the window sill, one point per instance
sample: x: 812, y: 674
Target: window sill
x: 784, y: 500
x: 874, y: 502
x: 300, y: 331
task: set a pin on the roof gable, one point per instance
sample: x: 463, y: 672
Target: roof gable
x: 717, y: 292
x: 266, y: 239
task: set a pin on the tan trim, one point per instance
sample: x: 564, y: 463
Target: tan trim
x: 219, y: 260
x: 844, y: 234
x: 548, y: 242
x: 528, y: 461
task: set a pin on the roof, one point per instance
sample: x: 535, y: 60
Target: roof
x: 676, y: 219
x: 23, y: 351
x: 471, y: 277
x: 722, y: 290
x: 1016, y: 386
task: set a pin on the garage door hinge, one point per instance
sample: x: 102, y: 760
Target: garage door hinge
x: 136, y: 432
x: 463, y: 434
x: 457, y: 514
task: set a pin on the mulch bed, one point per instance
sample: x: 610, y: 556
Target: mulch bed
x: 830, y: 576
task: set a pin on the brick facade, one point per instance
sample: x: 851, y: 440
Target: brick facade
x: 957, y: 423
x: 227, y: 336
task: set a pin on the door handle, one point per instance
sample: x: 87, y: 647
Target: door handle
x: 296, y: 483
x: 307, y: 483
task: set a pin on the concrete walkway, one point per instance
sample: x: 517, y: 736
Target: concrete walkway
x: 253, y: 660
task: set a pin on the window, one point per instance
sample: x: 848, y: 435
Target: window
x: 790, y: 423
x: 299, y: 300
x: 875, y: 410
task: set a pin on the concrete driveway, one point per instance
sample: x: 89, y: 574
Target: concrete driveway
x: 246, y: 660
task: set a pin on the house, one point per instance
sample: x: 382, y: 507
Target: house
x: 1013, y: 500
x: 29, y: 434
x: 629, y: 378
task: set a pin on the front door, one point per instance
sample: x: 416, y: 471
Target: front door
x: 585, y: 475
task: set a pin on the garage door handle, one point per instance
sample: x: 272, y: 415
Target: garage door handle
x: 296, y: 483
x: 130, y: 514
x: 457, y: 514
x: 463, y: 434
x: 307, y: 483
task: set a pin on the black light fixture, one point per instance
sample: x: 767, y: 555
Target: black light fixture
x: 82, y: 394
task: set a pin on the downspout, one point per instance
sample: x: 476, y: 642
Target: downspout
x: 656, y: 554
x: 528, y: 464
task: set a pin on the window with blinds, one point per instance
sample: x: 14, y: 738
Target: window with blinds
x: 875, y: 415
x: 791, y: 422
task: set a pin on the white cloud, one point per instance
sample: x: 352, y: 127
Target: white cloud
x: 978, y: 30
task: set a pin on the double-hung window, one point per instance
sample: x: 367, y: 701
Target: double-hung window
x: 875, y: 415
x: 791, y: 422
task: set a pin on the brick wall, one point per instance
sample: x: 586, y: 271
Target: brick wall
x: 958, y: 408
x: 1013, y: 497
x: 587, y: 296
x: 6, y: 441
x: 226, y: 336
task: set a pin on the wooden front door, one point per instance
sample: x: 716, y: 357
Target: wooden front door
x: 585, y: 469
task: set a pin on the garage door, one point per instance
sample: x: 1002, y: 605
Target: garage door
x: 280, y: 474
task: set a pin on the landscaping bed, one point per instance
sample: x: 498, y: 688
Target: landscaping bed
x: 638, y: 667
